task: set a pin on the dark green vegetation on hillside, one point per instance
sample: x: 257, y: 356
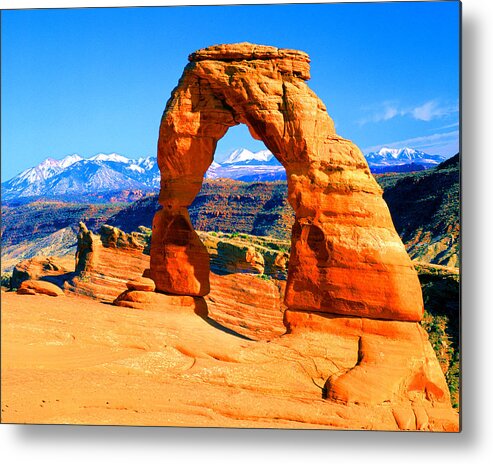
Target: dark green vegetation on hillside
x: 426, y: 212
x: 441, y: 295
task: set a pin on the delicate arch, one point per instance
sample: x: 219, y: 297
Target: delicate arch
x: 346, y: 256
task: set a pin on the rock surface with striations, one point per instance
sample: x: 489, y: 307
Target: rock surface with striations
x: 104, y: 263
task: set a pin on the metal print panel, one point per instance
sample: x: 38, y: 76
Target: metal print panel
x: 232, y: 216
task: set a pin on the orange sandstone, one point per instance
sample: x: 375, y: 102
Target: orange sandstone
x: 30, y: 287
x: 346, y: 255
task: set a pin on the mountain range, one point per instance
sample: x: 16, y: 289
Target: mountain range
x: 401, y: 160
x: 103, y: 177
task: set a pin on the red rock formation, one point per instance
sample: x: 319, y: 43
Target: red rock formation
x: 40, y: 266
x: 379, y: 361
x: 179, y: 260
x: 102, y: 267
x: 143, y: 284
x: 33, y: 287
x: 346, y: 255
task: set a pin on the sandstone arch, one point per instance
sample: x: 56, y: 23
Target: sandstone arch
x: 346, y: 256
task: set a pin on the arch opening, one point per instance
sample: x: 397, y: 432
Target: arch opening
x: 244, y: 220
x: 244, y: 191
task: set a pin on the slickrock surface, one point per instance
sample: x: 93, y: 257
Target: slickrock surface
x: 388, y: 367
x: 247, y: 304
x: 85, y: 362
x: 346, y: 257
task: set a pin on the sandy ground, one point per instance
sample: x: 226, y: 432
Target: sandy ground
x: 75, y: 360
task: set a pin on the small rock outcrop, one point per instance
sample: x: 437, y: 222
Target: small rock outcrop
x: 34, y: 268
x: 88, y: 245
x: 112, y: 237
x: 140, y: 294
x: 242, y: 253
x: 105, y: 263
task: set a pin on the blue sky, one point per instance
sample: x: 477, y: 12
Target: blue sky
x: 88, y: 81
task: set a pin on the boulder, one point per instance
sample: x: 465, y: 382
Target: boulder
x: 141, y: 283
x: 39, y: 287
x: 138, y: 299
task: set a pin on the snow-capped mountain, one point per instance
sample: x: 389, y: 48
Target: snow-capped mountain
x: 32, y: 180
x: 76, y: 176
x: 114, y: 157
x: 69, y: 160
x: 394, y: 157
x: 244, y: 165
x: 73, y: 177
x: 245, y: 157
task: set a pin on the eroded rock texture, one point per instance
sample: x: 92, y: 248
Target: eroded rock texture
x: 104, y: 262
x: 351, y: 284
x: 346, y: 255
